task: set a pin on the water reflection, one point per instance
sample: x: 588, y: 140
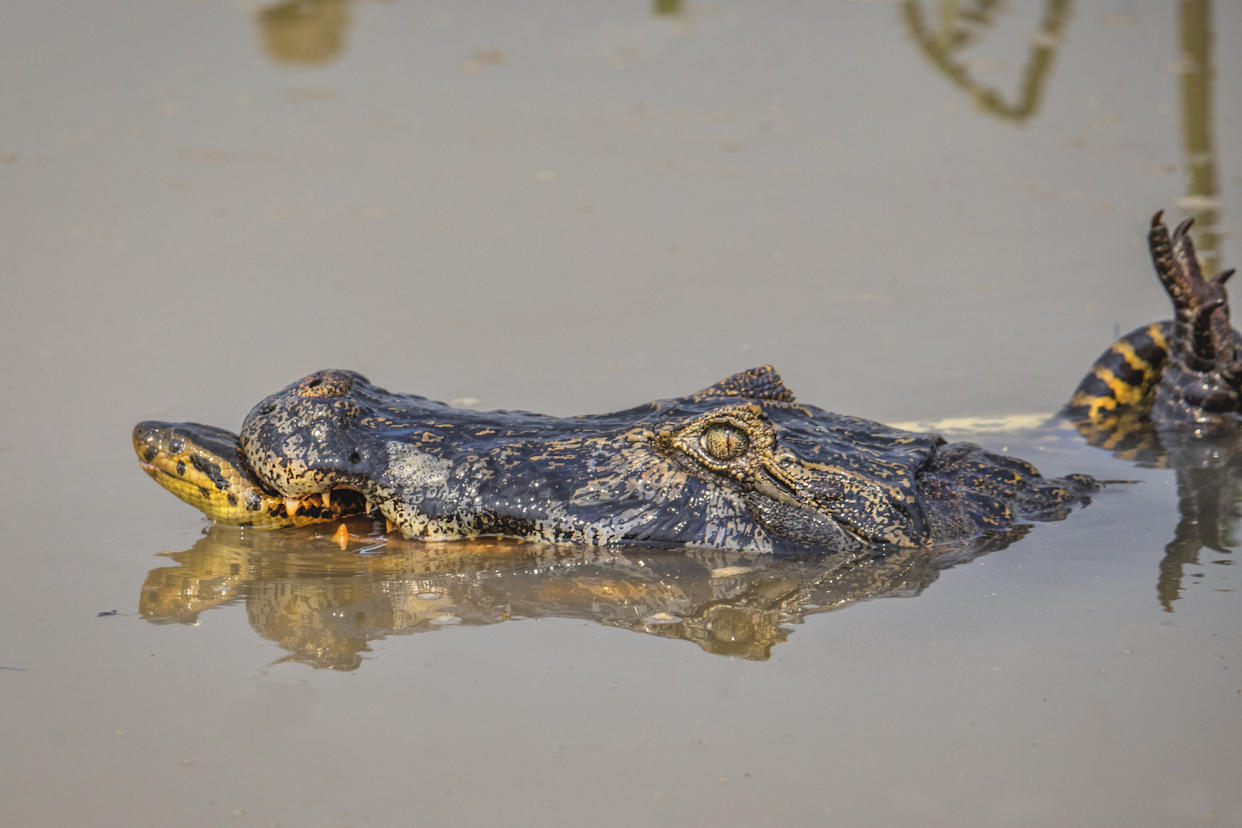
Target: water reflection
x: 323, y: 605
x: 1209, y: 472
x: 314, y: 31
x: 304, y: 31
x: 961, y: 25
x: 1209, y: 488
x: 948, y: 32
x: 1197, y: 72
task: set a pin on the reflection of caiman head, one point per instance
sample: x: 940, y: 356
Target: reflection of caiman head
x: 738, y: 465
x: 323, y: 607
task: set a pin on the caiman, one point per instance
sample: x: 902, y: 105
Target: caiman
x: 739, y: 465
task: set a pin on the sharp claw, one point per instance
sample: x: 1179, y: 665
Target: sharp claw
x: 1223, y: 276
x: 1201, y: 339
x: 1165, y: 263
x: 1158, y: 218
x: 1184, y: 256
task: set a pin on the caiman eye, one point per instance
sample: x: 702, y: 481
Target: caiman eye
x: 724, y: 442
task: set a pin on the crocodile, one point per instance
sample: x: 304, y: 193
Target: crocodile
x: 739, y: 465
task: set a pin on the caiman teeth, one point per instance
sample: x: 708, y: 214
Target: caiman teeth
x: 291, y: 506
x: 369, y: 506
x: 326, y: 497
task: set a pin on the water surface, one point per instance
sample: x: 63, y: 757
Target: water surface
x: 914, y: 216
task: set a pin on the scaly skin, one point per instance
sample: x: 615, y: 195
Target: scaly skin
x: 1182, y: 374
x: 737, y: 466
x: 201, y: 465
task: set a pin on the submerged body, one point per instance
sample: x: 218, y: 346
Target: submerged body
x: 739, y: 465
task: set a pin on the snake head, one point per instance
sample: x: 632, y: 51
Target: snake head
x: 202, y: 465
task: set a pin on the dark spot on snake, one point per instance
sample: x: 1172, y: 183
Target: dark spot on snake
x: 211, y: 470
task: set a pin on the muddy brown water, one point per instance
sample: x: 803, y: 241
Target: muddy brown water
x: 914, y: 216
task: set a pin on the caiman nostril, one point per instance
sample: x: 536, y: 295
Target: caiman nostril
x: 326, y: 384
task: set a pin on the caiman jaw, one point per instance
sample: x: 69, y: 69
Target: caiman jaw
x: 854, y: 504
x: 201, y: 466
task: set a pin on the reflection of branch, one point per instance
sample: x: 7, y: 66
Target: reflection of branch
x: 304, y: 31
x: 961, y: 26
x: 953, y: 36
x: 1197, y: 74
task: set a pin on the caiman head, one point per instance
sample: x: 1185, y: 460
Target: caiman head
x: 738, y: 465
